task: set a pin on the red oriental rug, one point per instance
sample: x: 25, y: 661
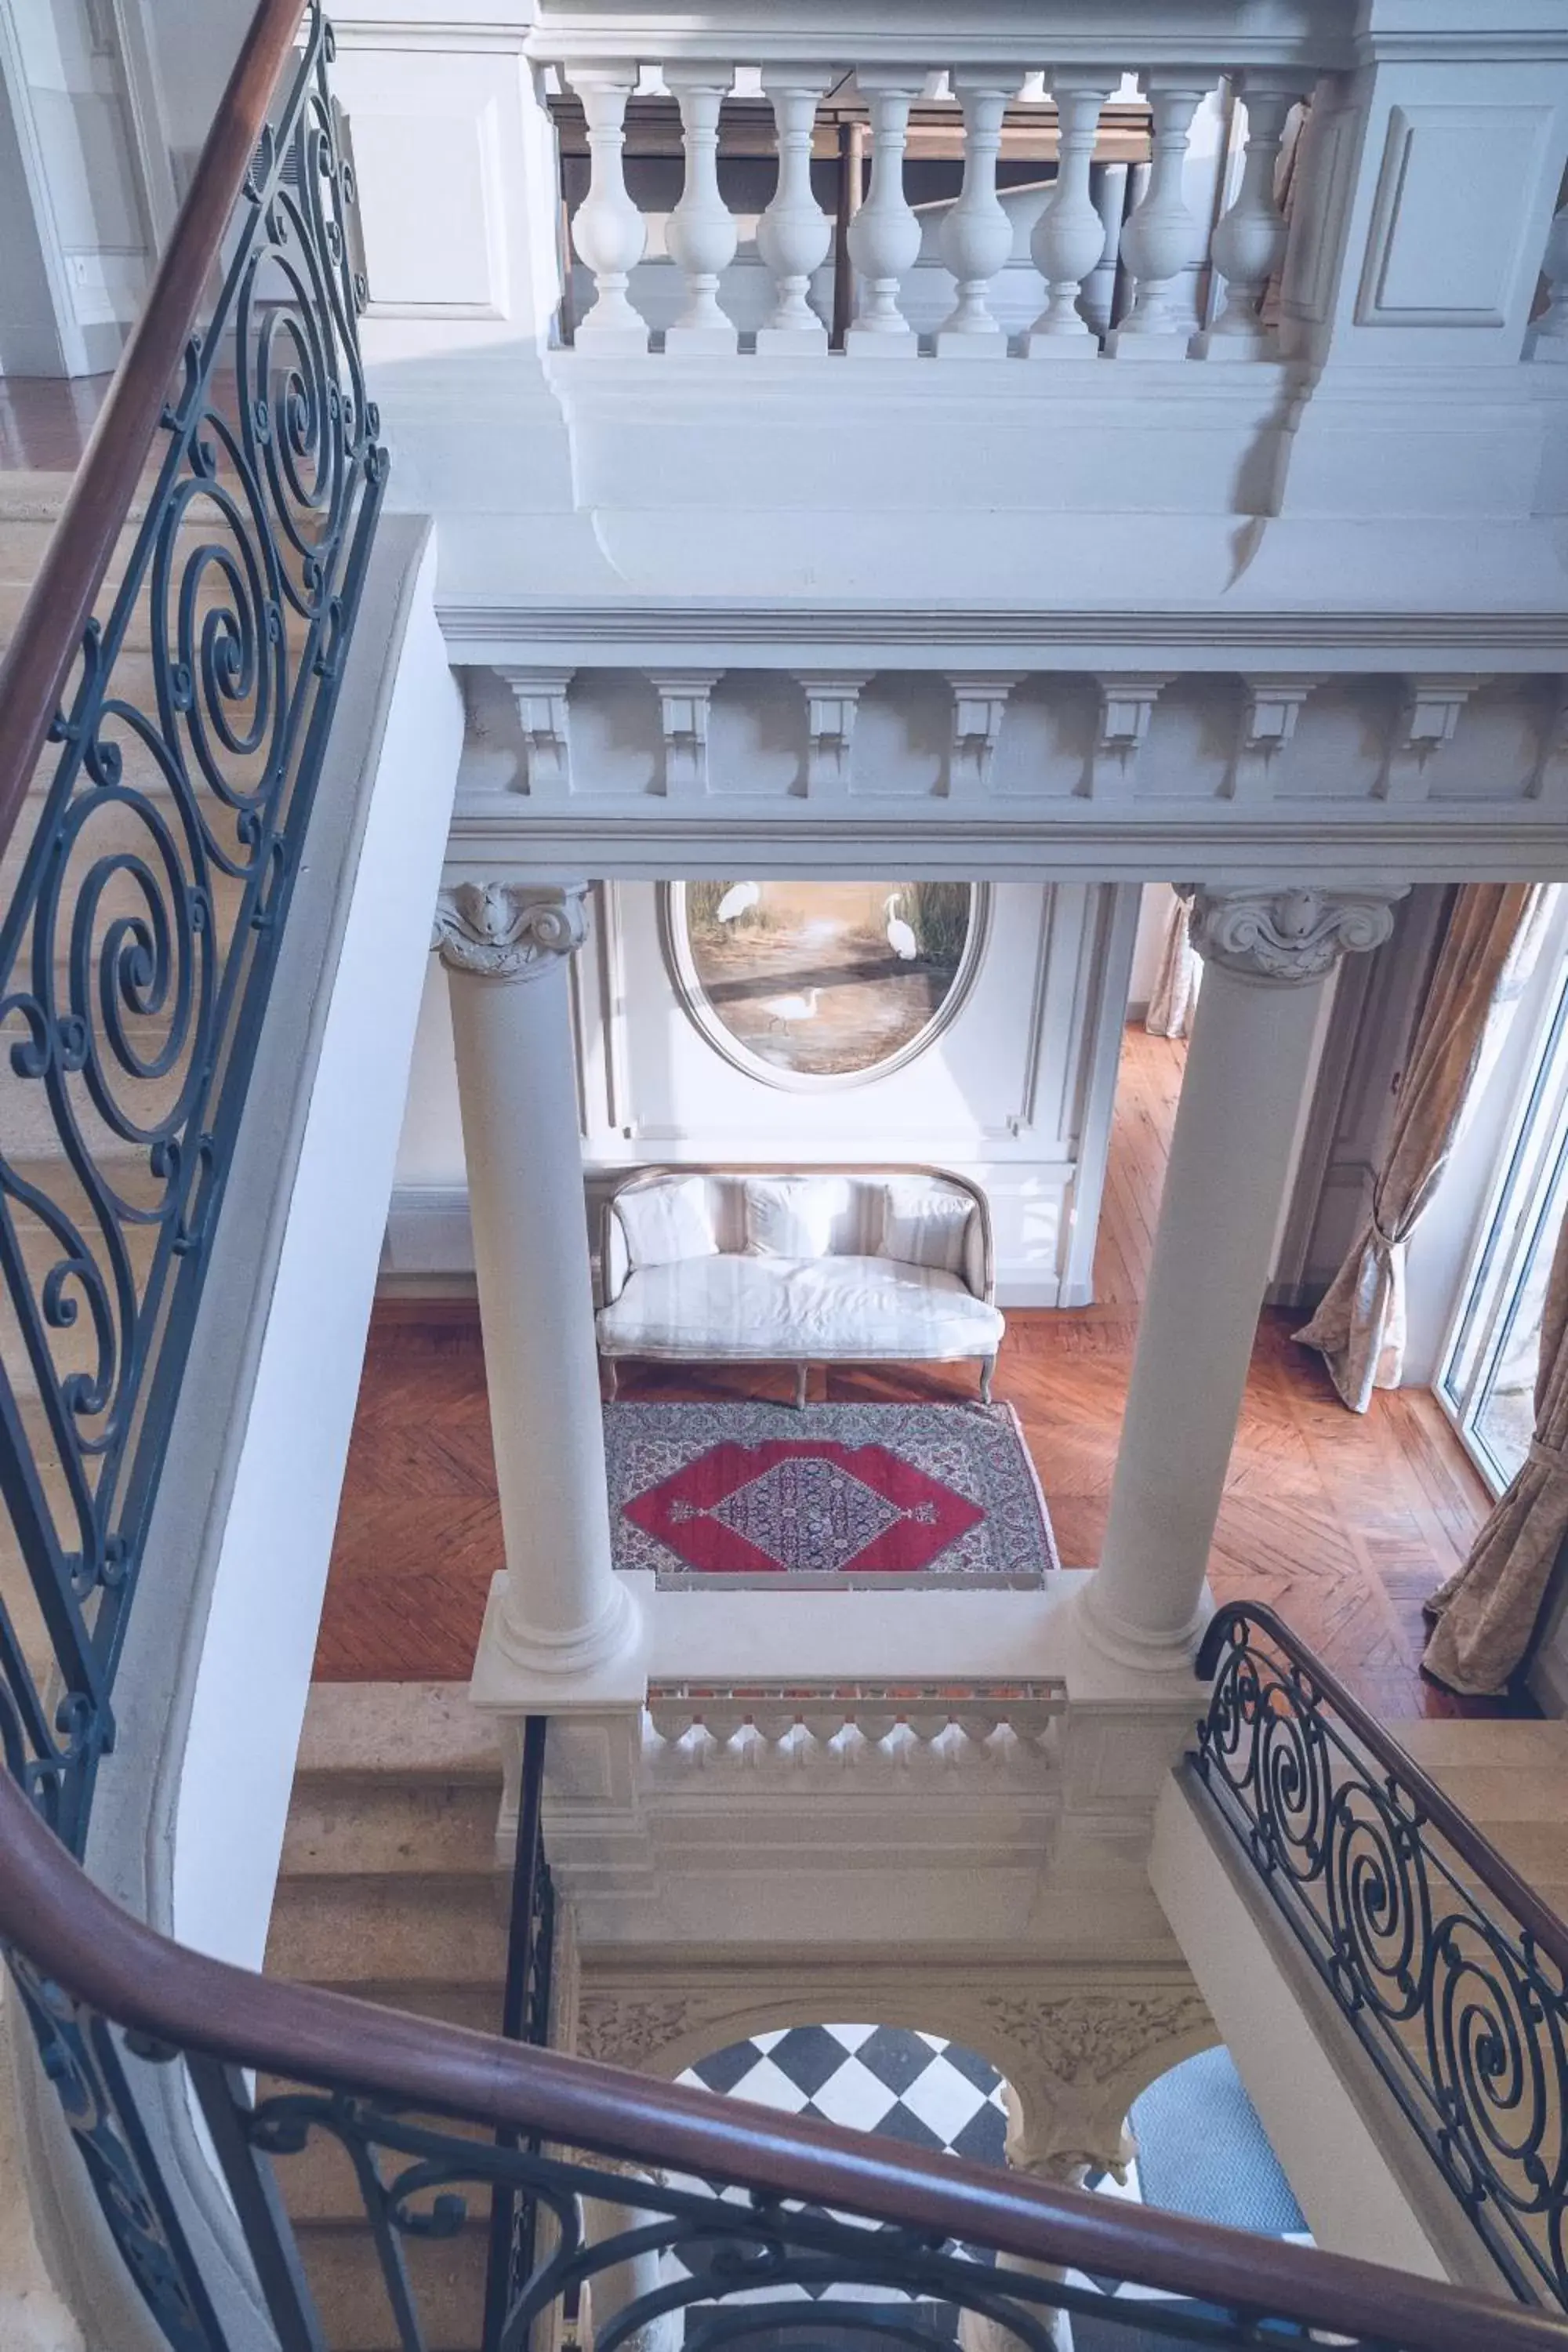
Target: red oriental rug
x: 743, y: 1494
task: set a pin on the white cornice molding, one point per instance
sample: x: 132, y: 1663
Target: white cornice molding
x: 1374, y: 844
x: 616, y: 635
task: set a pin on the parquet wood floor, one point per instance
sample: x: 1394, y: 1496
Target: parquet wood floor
x: 1344, y: 1523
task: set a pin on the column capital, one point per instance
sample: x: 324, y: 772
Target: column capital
x: 1283, y: 938
x: 507, y: 931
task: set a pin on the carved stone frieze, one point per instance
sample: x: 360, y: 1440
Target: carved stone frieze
x: 1087, y: 2038
x: 626, y: 2031
x: 1286, y: 936
x: 503, y: 931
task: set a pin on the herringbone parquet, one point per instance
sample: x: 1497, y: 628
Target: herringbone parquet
x: 1344, y: 1523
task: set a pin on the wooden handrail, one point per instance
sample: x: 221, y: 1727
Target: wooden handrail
x: 1439, y: 1812
x: 73, y: 1933
x: 49, y: 634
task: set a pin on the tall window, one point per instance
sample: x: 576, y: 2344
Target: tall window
x: 1488, y: 1376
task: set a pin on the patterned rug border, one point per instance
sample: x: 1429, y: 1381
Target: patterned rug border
x: 928, y: 1579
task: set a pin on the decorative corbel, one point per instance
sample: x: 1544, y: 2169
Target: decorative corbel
x: 683, y: 697
x: 1428, y: 718
x: 541, y: 698
x: 1269, y: 718
x: 1126, y: 706
x: 832, y: 702
x: 979, y: 699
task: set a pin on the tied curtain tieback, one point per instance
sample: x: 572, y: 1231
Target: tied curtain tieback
x: 1552, y: 1459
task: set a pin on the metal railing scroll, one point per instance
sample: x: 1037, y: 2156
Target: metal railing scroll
x: 1451, y: 1971
x: 144, y: 923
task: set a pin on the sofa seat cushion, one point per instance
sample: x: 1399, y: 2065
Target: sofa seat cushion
x: 804, y: 1309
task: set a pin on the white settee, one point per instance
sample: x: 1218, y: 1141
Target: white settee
x: 798, y: 1266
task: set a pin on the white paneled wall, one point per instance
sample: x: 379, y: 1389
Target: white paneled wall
x: 1016, y: 1091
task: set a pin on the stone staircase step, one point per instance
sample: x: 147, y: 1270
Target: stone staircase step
x: 418, y: 1732
x: 350, y: 1932
x: 1438, y: 1742
x: 368, y: 1829
x: 447, y: 2276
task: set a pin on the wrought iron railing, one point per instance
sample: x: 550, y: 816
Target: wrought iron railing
x: 190, y: 705
x: 1452, y: 1972
x: 514, y: 2237
x: 691, y: 2217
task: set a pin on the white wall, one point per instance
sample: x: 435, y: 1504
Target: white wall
x: 1016, y: 1091
x: 260, y: 1636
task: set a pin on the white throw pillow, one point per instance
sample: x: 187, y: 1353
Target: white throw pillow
x: 925, y: 1223
x: 792, y: 1217
x: 665, y: 1223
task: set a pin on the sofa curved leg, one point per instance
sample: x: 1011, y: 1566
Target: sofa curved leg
x: 987, y: 1369
x: 613, y: 1368
x: 800, y: 1372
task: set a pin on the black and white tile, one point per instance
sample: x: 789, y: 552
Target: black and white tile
x: 910, y: 2086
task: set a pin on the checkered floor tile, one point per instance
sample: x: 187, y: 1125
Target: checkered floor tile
x: 914, y: 2087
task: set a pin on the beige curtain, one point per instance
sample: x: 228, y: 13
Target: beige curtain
x: 1360, y: 1326
x: 1170, y: 1013
x: 1486, y: 1613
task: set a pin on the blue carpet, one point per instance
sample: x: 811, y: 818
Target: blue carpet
x: 1202, y: 2150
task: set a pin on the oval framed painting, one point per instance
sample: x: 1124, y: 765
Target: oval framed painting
x: 823, y: 984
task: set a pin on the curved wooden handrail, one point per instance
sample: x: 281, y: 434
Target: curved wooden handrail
x: 49, y: 634
x: 1473, y: 1847
x: 69, y: 1930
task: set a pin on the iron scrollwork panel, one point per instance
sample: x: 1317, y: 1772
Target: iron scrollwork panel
x: 1463, y: 2014
x: 139, y: 944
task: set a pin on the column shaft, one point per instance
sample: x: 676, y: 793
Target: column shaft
x: 561, y: 1609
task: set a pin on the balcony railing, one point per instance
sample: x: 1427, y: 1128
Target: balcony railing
x: 1451, y: 1971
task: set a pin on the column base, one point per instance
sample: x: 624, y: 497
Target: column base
x: 1121, y: 1644
x: 518, y: 1670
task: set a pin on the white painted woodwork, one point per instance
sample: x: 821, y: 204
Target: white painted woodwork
x: 608, y: 233
x: 701, y: 233
x: 1159, y: 241
x: 1069, y: 236
x: 1017, y: 1092
x: 794, y: 233
x: 885, y: 237
x: 979, y: 702
x: 831, y: 699
x: 545, y: 769
x: 978, y: 235
x: 1248, y: 242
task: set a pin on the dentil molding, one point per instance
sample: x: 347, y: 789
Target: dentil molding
x: 506, y: 930
x: 1286, y: 936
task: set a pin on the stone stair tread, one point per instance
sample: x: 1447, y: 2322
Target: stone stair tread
x: 366, y: 1829
x: 414, y: 1731
x: 1490, y: 1793
x: 348, y: 1932
x: 1437, y: 1743
x: 447, y: 2276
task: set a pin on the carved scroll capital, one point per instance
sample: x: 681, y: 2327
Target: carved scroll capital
x: 507, y: 930
x: 1284, y: 937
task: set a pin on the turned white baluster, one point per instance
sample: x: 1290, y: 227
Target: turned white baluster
x: 885, y: 236
x: 1069, y: 236
x: 1548, y: 339
x: 1160, y: 239
x: 1248, y: 242
x: 701, y: 233
x: 978, y: 235
x: 608, y: 233
x: 794, y: 233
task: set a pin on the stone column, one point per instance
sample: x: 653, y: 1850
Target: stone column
x: 1268, y: 955
x: 559, y: 1611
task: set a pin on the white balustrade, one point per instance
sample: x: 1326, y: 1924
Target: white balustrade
x: 702, y: 235
x: 884, y: 237
x: 1077, y: 237
x: 1159, y: 241
x: 877, y: 1735
x: 1069, y: 236
x: 1248, y: 242
x: 794, y: 233
x: 608, y: 231
x: 977, y: 235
